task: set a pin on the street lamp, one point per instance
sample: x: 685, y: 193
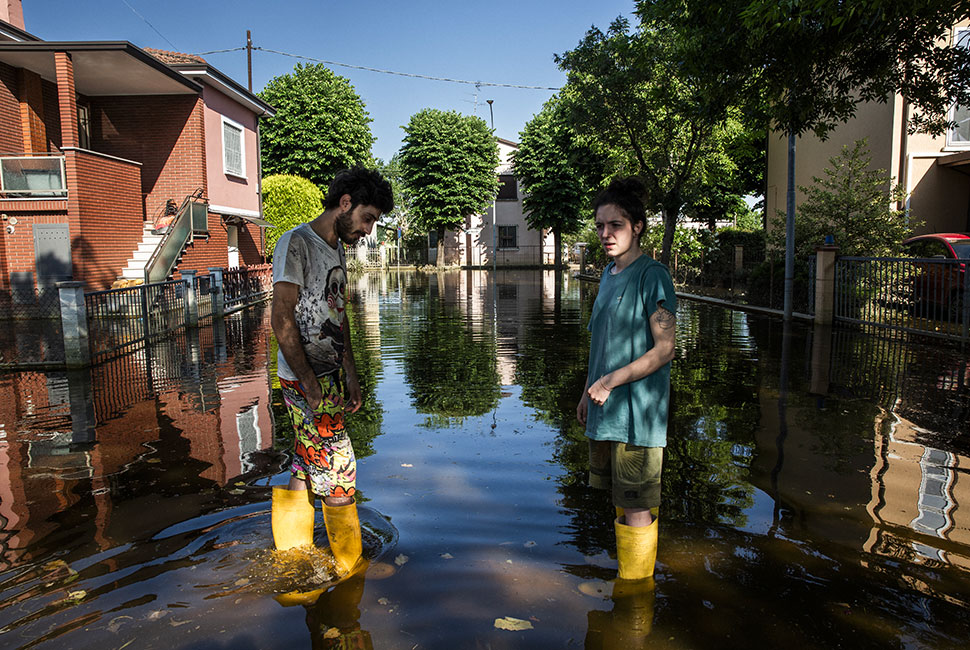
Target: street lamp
x: 491, y: 116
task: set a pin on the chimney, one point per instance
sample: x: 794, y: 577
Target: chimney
x: 12, y: 11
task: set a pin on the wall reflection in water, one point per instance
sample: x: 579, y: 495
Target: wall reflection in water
x: 864, y: 448
x: 93, y: 453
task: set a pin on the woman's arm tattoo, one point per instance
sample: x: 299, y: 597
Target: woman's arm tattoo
x: 664, y: 317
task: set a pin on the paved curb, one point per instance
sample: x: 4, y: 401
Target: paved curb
x: 767, y: 311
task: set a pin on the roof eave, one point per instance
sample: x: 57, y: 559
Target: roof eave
x: 16, y: 34
x: 227, y: 85
x: 103, y: 46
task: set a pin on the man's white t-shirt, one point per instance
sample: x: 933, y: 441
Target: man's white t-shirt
x: 307, y: 260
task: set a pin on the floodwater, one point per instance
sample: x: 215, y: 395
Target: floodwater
x: 812, y: 487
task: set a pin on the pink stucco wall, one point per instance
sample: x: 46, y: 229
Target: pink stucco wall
x: 224, y: 189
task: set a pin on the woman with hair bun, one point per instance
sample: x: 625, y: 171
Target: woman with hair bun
x: 624, y: 404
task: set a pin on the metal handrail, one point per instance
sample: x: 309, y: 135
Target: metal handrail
x: 180, y: 232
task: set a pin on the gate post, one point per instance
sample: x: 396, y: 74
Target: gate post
x: 218, y: 296
x: 74, y: 324
x: 965, y: 304
x: 825, y: 284
x: 191, y: 304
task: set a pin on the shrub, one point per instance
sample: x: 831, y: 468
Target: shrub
x: 766, y: 284
x: 288, y: 201
x: 355, y: 266
x: 853, y: 204
x: 686, y: 253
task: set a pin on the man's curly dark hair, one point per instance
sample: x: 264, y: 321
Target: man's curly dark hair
x: 365, y: 187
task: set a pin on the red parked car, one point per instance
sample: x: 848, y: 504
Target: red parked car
x: 940, y: 285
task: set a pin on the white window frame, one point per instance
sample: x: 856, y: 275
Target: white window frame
x: 242, y: 148
x: 958, y: 34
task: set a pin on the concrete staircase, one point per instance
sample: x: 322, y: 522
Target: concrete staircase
x: 136, y: 265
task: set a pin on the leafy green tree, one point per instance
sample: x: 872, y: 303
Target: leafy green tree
x: 558, y: 171
x: 288, y: 201
x: 320, y: 126
x: 447, y: 165
x: 391, y: 171
x: 626, y: 87
x: 851, y: 203
x: 817, y: 61
x: 734, y: 168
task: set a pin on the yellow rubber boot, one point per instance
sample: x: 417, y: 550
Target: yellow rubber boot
x: 343, y: 530
x: 636, y: 550
x: 292, y: 518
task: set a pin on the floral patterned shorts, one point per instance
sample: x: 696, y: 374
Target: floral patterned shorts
x: 323, y: 452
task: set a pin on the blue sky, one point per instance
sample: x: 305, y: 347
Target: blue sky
x: 501, y: 41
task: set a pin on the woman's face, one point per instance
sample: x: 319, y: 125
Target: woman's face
x: 616, y: 232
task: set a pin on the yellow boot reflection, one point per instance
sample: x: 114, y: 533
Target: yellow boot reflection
x: 629, y: 624
x: 334, y: 620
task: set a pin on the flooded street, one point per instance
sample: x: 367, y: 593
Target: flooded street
x: 812, y: 486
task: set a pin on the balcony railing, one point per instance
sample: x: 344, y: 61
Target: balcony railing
x: 32, y: 176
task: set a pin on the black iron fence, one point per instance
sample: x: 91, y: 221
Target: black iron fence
x: 926, y: 295
x: 66, y: 327
x: 122, y: 319
x: 204, y: 290
x: 244, y: 286
x: 31, y: 332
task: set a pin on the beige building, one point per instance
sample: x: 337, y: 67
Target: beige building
x: 501, y: 232
x: 935, y: 171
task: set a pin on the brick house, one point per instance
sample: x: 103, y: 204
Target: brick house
x: 98, y: 138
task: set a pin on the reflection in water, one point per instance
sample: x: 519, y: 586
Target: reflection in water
x: 630, y: 621
x: 812, y: 487
x: 334, y: 619
x: 181, y: 418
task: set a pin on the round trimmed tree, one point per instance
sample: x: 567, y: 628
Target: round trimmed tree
x: 447, y: 165
x: 288, y: 201
x: 320, y: 126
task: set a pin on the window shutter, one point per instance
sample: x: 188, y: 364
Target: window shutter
x: 232, y: 149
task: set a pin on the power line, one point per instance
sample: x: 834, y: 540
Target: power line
x: 231, y: 49
x: 150, y: 25
x: 381, y: 71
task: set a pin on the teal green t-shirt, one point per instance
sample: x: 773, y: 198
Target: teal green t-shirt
x: 634, y: 413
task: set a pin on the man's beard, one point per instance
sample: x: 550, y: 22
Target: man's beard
x: 344, y: 225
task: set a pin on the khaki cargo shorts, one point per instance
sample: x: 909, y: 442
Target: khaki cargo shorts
x: 631, y: 472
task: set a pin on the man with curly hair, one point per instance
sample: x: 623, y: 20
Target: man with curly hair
x: 316, y: 367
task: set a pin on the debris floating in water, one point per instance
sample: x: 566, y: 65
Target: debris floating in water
x: 512, y: 624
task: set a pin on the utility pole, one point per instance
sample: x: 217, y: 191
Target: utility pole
x: 491, y: 117
x: 249, y: 58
